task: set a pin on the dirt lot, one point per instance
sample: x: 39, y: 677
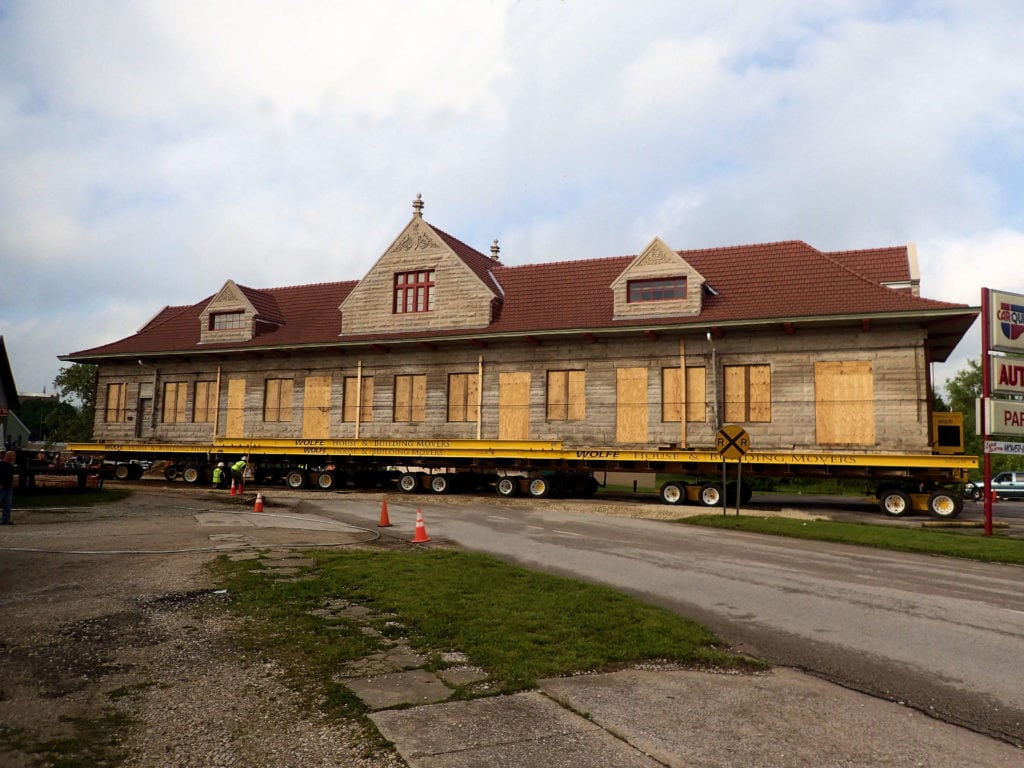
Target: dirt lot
x: 108, y: 656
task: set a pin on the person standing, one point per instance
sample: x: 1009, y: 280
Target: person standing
x: 7, y: 487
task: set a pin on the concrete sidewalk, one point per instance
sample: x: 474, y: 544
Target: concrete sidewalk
x: 685, y: 719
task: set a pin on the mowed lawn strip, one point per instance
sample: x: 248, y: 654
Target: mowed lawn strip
x: 970, y: 545
x: 515, y: 624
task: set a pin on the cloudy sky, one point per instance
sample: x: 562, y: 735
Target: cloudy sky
x: 149, y: 151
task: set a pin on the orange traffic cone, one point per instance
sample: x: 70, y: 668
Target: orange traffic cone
x: 385, y: 521
x: 233, y: 491
x: 420, y: 535
x: 258, y: 506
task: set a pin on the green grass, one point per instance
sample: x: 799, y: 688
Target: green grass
x: 972, y: 546
x: 515, y: 624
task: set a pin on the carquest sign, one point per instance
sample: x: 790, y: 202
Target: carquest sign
x: 1006, y: 322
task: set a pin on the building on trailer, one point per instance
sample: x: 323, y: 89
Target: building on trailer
x: 807, y: 350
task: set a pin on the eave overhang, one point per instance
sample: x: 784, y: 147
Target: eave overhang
x: 946, y: 327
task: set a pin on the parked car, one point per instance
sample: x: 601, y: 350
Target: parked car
x: 1009, y: 485
x: 974, y: 491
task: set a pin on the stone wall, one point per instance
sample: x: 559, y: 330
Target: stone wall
x: 897, y: 357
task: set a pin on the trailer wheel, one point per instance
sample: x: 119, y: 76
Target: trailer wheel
x: 409, y: 482
x: 507, y: 486
x: 539, y: 487
x: 122, y: 472
x: 894, y: 502
x: 945, y: 504
x: 442, y: 483
x: 295, y: 479
x: 673, y: 492
x: 190, y: 475
x: 325, y: 481
x: 710, y: 495
x: 171, y: 472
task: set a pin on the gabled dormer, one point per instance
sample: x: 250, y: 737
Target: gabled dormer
x: 237, y: 313
x: 657, y: 283
x: 425, y: 280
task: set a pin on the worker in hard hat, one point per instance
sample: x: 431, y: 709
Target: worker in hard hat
x: 238, y: 472
x: 220, y: 476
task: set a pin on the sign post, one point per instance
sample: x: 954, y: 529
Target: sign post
x: 732, y: 442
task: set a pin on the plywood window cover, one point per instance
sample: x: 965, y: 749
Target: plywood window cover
x: 695, y: 399
x: 277, y: 400
x: 410, y: 397
x: 844, y: 404
x: 117, y: 396
x: 348, y: 407
x: 566, y: 399
x: 205, y: 403
x: 174, y: 402
x: 463, y: 397
x: 748, y: 393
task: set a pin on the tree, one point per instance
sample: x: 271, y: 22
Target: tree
x: 963, y: 390
x: 77, y: 386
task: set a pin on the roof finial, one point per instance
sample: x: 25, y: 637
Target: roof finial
x: 417, y: 205
x: 495, y: 249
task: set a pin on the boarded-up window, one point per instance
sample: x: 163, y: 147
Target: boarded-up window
x: 514, y: 406
x: 316, y: 407
x: 567, y: 397
x: 411, y: 397
x: 631, y: 405
x: 844, y: 403
x: 173, y: 410
x: 463, y: 396
x: 748, y: 393
x: 205, y: 405
x: 235, y: 426
x: 277, y: 400
x: 117, y: 397
x: 361, y: 392
x: 695, y: 395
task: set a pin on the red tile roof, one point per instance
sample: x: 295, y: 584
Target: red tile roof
x: 772, y: 282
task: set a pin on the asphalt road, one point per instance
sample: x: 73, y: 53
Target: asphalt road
x: 939, y: 634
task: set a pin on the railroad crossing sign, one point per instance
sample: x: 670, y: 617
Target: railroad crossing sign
x: 732, y: 442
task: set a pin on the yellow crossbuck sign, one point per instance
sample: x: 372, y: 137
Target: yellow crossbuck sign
x: 732, y: 442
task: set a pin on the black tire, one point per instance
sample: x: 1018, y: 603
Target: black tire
x: 945, y: 504
x: 409, y: 482
x: 894, y: 503
x: 295, y: 479
x: 191, y: 475
x: 507, y: 486
x: 171, y: 472
x: 122, y: 472
x: 710, y: 495
x: 973, y: 492
x: 673, y: 492
x: 539, y: 487
x: 135, y: 471
x: 442, y: 483
x: 325, y: 481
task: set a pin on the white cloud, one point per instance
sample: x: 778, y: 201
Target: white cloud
x: 155, y: 149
